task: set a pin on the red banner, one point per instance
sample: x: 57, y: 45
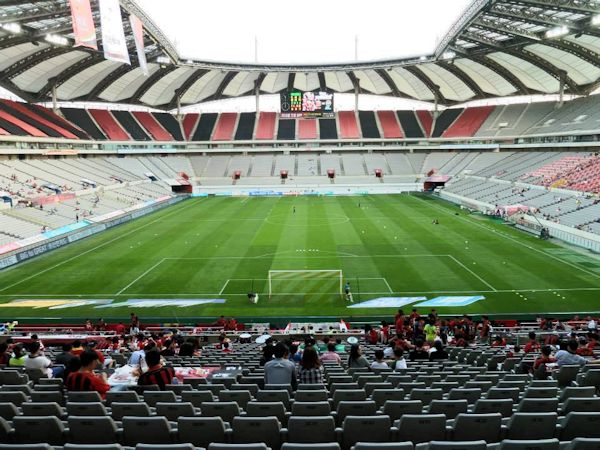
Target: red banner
x: 83, y: 24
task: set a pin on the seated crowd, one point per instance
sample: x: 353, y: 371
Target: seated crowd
x: 452, y: 370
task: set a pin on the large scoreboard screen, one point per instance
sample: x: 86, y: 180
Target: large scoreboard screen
x: 306, y: 104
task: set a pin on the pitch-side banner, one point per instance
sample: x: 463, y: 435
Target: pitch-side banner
x: 138, y: 36
x: 113, y: 36
x: 83, y: 24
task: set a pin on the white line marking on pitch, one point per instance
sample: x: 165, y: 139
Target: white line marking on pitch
x: 95, y: 248
x: 388, y: 285
x: 141, y: 276
x: 224, y: 286
x: 512, y: 239
x: 472, y: 273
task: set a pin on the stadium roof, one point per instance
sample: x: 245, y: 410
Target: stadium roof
x: 497, y: 48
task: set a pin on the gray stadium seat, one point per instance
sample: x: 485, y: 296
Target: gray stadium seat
x: 266, y: 409
x: 15, y: 397
x: 474, y: 427
x: 238, y: 447
x: 32, y: 429
x: 426, y: 395
x: 349, y: 395
x: 421, y: 428
x: 146, y: 430
x: 225, y: 410
x: 172, y: 411
x: 379, y: 396
x: 311, y: 408
x: 580, y: 424
x: 165, y: 447
x: 93, y: 447
x: 121, y: 396
x: 450, y: 408
x: 452, y: 445
x: 308, y: 430
x: 196, y: 397
x: 26, y: 447
x: 311, y: 395
x: 504, y: 406
x: 201, y: 431
x: 584, y: 444
x: 42, y: 409
x: 354, y: 408
x: 355, y: 428
x: 329, y: 446
x: 122, y: 409
x: 470, y: 395
x: 577, y: 392
x: 85, y: 409
x: 83, y: 396
x: 397, y: 408
x: 532, y: 405
x: 383, y: 446
x: 153, y: 397
x: 240, y: 397
x: 534, y: 425
x: 92, y: 430
x: 537, y: 444
x: 273, y: 395
x: 8, y: 411
x: 581, y: 405
x: 251, y: 430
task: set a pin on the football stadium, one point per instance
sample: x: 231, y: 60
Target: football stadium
x: 286, y: 226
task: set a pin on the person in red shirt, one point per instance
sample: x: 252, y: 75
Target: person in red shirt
x: 484, y: 331
x: 385, y: 332
x: 533, y: 345
x: 221, y: 322
x: 85, y: 379
x: 156, y: 373
x: 120, y: 328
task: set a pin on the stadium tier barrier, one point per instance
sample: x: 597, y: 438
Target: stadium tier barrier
x: 45, y: 244
x: 292, y: 190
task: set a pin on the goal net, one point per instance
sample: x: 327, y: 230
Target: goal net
x: 292, y: 282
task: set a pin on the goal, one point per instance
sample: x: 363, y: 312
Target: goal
x: 305, y: 282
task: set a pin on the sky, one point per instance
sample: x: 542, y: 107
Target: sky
x: 307, y: 32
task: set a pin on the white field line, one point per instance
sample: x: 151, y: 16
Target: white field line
x: 94, y: 248
x: 550, y: 255
x: 224, y: 286
x: 388, y: 285
x: 141, y: 276
x: 472, y: 273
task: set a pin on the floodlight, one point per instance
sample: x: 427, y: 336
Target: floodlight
x: 557, y: 32
x: 163, y: 60
x: 56, y: 39
x: 12, y: 27
x: 596, y: 20
x: 448, y: 55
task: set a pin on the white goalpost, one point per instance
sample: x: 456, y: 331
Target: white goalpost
x: 290, y: 277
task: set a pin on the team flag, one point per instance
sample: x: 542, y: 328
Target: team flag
x: 113, y: 36
x: 138, y: 35
x: 83, y: 24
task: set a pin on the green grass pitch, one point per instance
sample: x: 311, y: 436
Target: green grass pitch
x: 221, y: 247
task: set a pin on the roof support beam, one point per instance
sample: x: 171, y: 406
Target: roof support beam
x: 462, y: 76
x: 434, y: 88
x: 185, y: 86
x: 226, y: 80
x: 150, y: 81
x: 68, y: 73
x: 32, y: 60
x: 386, y: 77
x: 108, y: 80
x: 559, y: 5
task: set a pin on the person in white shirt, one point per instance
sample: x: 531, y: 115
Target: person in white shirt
x: 379, y: 363
x: 398, y: 363
x: 592, y: 325
x: 37, y: 360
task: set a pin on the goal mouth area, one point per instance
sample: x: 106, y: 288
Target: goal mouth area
x: 309, y: 281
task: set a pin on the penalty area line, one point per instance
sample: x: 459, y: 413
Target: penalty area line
x: 472, y: 273
x: 141, y: 276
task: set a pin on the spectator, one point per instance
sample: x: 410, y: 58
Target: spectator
x: 280, y: 370
x: 138, y: 357
x: 430, y: 331
x: 532, y: 345
x: 356, y: 359
x: 157, y: 374
x: 18, y: 357
x: 120, y: 328
x: 592, y: 325
x: 37, y: 361
x: 309, y: 369
x: 295, y: 356
x: 499, y: 341
x: 539, y: 366
x: 330, y: 354
x: 379, y: 363
x: 77, y: 348
x: 35, y: 338
x: 438, y: 352
x: 65, y: 357
x: 170, y: 346
x: 570, y: 356
x: 4, y: 354
x: 85, y: 379
x: 419, y: 352
x: 398, y: 363
x: 339, y: 346
x: 226, y: 348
